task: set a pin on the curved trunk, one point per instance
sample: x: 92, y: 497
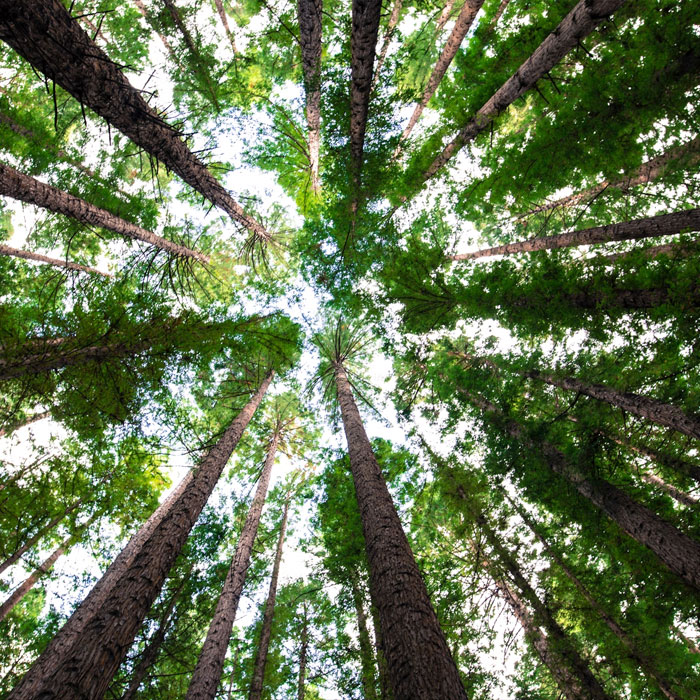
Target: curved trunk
x: 221, y: 10
x: 651, y: 227
x: 56, y: 262
x: 419, y: 661
x: 89, y: 659
x: 369, y: 691
x: 580, y: 22
x: 256, y: 686
x: 44, y: 33
x: 27, y: 189
x: 210, y: 664
x: 27, y: 421
x: 390, y: 28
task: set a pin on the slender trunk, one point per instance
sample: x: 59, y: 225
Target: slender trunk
x: 44, y: 33
x: 681, y: 497
x: 651, y: 227
x: 670, y: 250
x: 256, y: 686
x: 499, y: 13
x: 582, y: 20
x: 309, y: 13
x: 56, y: 262
x: 168, y: 47
x: 85, y: 667
x: 236, y: 656
x: 419, y: 661
x: 462, y: 25
x: 444, y: 16
x: 210, y: 664
x: 303, y: 651
x: 678, y: 552
x: 27, y: 421
x: 692, y: 646
x: 366, y: 656
x: 390, y: 28
x: 384, y: 689
x: 221, y: 10
x: 635, y: 653
x: 27, y: 189
x: 646, y: 172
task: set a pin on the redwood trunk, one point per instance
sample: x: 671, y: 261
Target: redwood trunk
x: 27, y: 421
x: 681, y: 497
x: 390, y: 28
x: 580, y: 22
x: 366, y: 655
x: 419, y: 661
x: 27, y: 189
x: 221, y: 10
x: 651, y: 227
x: 256, y: 686
x: 444, y: 16
x: 90, y: 659
x: 210, y: 665
x: 56, y: 262
x: 44, y: 33
x: 384, y: 689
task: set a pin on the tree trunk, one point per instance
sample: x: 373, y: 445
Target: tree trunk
x: 419, y: 661
x: 90, y: 658
x: 651, y: 227
x: 44, y: 33
x: 499, y: 12
x: 681, y: 497
x: 384, y: 689
x: 256, y: 686
x: 26, y: 189
x: 56, y: 262
x: 168, y: 47
x: 210, y: 664
x: 692, y: 646
x: 221, y: 10
x: 670, y: 250
x: 27, y: 421
x: 366, y: 656
x: 309, y: 13
x: 301, y: 683
x: 582, y: 20
x: 444, y: 16
x: 646, y: 172
x: 464, y: 22
x: 390, y: 28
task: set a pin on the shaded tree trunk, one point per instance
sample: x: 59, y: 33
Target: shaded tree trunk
x: 384, y: 689
x: 44, y: 33
x: 390, y: 29
x: 256, y: 686
x: 27, y: 421
x: 86, y: 664
x: 419, y: 661
x: 681, y: 497
x: 210, y: 664
x: 444, y: 16
x: 580, y: 22
x: 670, y: 250
x: 369, y: 690
x: 27, y: 189
x: 499, y: 13
x: 651, y: 227
x: 303, y: 651
x: 56, y: 262
x: 168, y: 47
x: 221, y: 10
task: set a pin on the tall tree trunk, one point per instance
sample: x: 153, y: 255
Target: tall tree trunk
x: 89, y: 659
x: 303, y: 651
x: 635, y: 653
x: 464, y: 22
x: 221, y: 10
x: 27, y: 421
x: 444, y: 17
x: 309, y: 13
x: 210, y: 664
x: 646, y: 172
x: 671, y: 250
x: 651, y: 227
x: 390, y: 28
x: 678, y: 552
x: 580, y: 22
x: 236, y: 657
x: 168, y: 46
x: 420, y: 664
x: 44, y: 33
x: 369, y: 689
x: 56, y: 262
x: 256, y: 685
x: 692, y: 646
x: 499, y: 13
x: 681, y: 497
x: 27, y: 189
x: 384, y: 689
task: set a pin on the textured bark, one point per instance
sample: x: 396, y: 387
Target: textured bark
x: 221, y: 10
x: 390, y: 28
x: 256, y: 685
x: 369, y: 691
x: 580, y: 22
x: 651, y: 227
x: 44, y: 33
x: 303, y: 651
x: 210, y: 664
x: 27, y: 421
x: 681, y: 497
x: 89, y: 660
x: 309, y: 13
x: 38, y: 257
x: 27, y: 189
x: 646, y: 172
x: 419, y: 661
x: 444, y: 16
x: 462, y: 25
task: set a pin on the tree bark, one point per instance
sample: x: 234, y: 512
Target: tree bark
x: 580, y: 22
x: 44, y: 33
x: 670, y: 250
x: 38, y: 257
x: 369, y: 690
x: 444, y: 16
x: 210, y: 664
x: 89, y: 660
x: 419, y: 661
x: 303, y: 651
x: 309, y: 13
x: 27, y: 421
x: 390, y: 28
x: 168, y: 47
x: 27, y: 189
x: 462, y: 25
x: 651, y: 227
x: 221, y: 10
x: 384, y: 689
x: 256, y: 686
x: 681, y: 497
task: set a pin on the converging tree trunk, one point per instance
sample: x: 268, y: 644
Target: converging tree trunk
x: 21, y: 424
x: 56, y: 262
x: 44, y: 33
x: 221, y: 10
x: 675, y: 493
x: 210, y: 664
x: 369, y: 688
x: 418, y: 658
x: 303, y: 652
x: 390, y: 29
x: 88, y: 658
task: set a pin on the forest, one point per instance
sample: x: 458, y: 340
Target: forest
x: 349, y: 350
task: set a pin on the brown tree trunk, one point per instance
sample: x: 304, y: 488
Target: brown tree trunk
x: 303, y: 651
x: 168, y: 47
x: 384, y: 689
x: 44, y: 33
x: 390, y: 28
x: 681, y: 497
x: 582, y: 20
x: 89, y: 659
x: 651, y: 227
x: 692, y: 646
x: 419, y: 661
x: 309, y: 13
x: 646, y: 172
x: 464, y: 22
x: 444, y: 16
x: 27, y: 421
x: 670, y: 250
x: 256, y: 685
x: 210, y: 664
x: 221, y: 10
x: 499, y: 13
x: 369, y: 690
x: 26, y: 189
x: 38, y: 257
